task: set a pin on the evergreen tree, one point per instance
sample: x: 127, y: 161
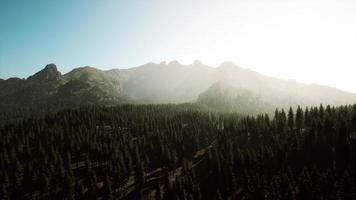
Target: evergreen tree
x: 290, y: 118
x: 299, y: 118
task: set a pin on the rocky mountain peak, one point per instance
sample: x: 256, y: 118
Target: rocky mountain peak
x: 51, y: 67
x: 50, y: 72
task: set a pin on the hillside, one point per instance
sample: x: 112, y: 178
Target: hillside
x: 163, y: 83
x: 49, y: 88
x: 171, y: 152
x: 226, y: 98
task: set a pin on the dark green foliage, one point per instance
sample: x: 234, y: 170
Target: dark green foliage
x: 176, y: 152
x: 291, y: 118
x: 299, y: 118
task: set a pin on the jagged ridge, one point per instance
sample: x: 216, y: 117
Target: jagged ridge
x: 164, y: 83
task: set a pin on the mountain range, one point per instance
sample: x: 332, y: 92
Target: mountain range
x: 227, y: 88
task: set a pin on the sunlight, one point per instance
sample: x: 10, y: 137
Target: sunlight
x: 309, y: 41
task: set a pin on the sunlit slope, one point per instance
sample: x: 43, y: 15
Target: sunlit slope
x: 165, y: 83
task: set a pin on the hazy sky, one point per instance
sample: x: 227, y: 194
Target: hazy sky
x: 305, y: 40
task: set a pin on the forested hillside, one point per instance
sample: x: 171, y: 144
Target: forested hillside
x: 178, y: 152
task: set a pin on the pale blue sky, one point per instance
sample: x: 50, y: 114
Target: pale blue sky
x: 71, y: 34
x: 312, y: 41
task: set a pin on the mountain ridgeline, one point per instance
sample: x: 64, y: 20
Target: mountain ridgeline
x: 224, y: 88
x: 183, y: 149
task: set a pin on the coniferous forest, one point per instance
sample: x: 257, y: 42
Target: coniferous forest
x: 178, y: 100
x: 178, y: 152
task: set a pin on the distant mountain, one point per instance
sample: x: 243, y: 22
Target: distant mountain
x: 224, y: 88
x: 226, y: 98
x: 265, y: 93
x: 167, y: 82
x: 49, y: 89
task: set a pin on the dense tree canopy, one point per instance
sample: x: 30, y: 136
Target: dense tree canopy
x: 178, y: 152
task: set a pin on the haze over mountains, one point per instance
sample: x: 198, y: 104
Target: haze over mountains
x: 225, y: 88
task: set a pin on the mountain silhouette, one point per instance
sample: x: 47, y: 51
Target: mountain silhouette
x: 227, y: 87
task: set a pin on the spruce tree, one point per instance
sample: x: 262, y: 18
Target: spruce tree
x: 290, y: 118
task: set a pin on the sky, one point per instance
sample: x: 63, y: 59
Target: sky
x: 311, y: 41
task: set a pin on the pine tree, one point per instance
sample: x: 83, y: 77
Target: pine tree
x: 299, y: 118
x: 290, y: 118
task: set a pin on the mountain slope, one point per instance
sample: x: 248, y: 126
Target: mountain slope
x: 226, y: 98
x: 227, y: 87
x: 166, y: 83
x: 48, y: 88
x: 177, y: 83
x: 272, y: 92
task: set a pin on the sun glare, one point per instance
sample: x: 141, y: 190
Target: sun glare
x: 309, y: 41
